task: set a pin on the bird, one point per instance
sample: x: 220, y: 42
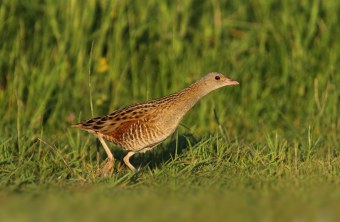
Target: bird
x: 141, y: 127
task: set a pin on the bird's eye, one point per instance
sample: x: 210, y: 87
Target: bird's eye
x: 217, y: 77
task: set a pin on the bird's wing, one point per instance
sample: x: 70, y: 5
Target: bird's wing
x: 118, y: 121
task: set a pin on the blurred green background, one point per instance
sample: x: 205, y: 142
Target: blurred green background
x: 269, y: 144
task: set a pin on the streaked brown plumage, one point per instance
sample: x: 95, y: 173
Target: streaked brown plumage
x: 140, y: 127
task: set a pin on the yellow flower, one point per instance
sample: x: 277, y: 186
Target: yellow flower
x: 101, y: 99
x: 102, y: 65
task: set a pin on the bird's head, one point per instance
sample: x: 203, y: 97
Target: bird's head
x: 215, y: 80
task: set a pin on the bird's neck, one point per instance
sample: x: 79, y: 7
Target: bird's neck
x: 182, y: 102
x: 191, y: 95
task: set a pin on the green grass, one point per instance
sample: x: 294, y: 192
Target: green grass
x: 265, y: 150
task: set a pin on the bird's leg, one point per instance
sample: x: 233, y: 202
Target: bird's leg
x: 127, y: 162
x: 106, y: 148
x: 109, y: 160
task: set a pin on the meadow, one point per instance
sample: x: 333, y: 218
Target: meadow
x: 267, y: 149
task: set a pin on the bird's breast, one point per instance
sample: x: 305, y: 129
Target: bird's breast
x: 137, y: 135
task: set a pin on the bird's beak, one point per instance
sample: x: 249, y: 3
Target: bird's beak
x: 232, y: 82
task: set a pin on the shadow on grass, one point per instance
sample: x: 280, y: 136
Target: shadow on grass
x: 159, y: 155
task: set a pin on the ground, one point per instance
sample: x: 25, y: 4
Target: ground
x: 267, y: 149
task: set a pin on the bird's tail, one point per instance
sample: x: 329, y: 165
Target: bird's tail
x: 78, y: 125
x: 86, y: 125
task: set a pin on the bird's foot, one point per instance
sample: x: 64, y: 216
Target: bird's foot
x: 107, y: 169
